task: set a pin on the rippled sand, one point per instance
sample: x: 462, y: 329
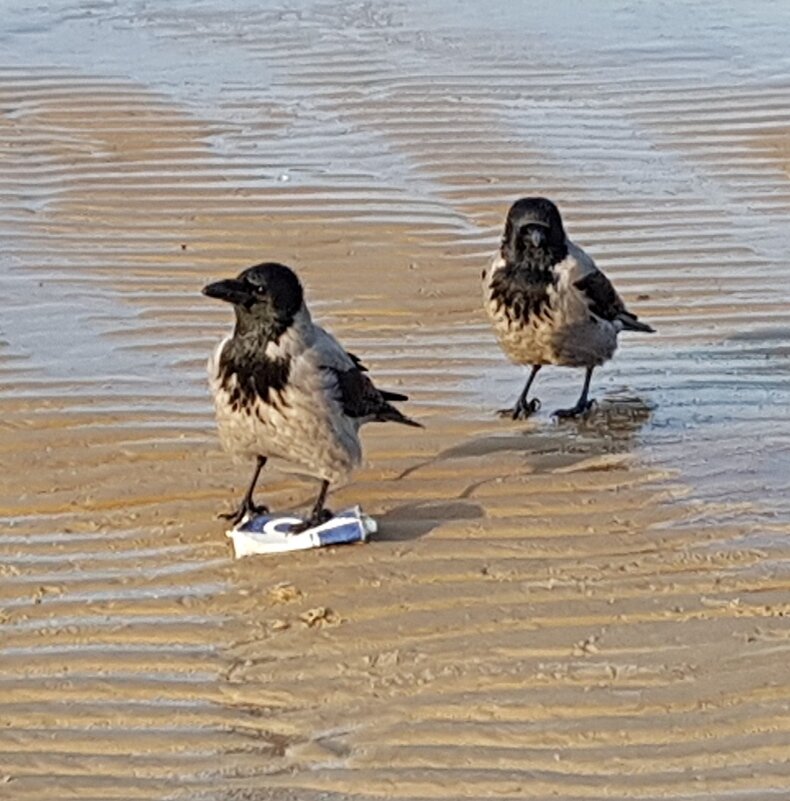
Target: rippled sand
x: 577, y: 611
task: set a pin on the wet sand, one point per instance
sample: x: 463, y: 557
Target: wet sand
x: 578, y: 611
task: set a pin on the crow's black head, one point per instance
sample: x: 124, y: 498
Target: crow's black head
x: 266, y: 297
x: 534, y: 236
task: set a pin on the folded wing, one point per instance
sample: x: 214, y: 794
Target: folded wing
x: 360, y: 398
x: 604, y: 302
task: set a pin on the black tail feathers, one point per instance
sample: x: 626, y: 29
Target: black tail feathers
x: 389, y: 414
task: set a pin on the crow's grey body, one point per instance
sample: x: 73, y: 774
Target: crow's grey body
x: 549, y: 303
x: 563, y: 330
x: 301, y: 425
x: 285, y: 389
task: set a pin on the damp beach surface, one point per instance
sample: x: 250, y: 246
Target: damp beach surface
x: 577, y: 611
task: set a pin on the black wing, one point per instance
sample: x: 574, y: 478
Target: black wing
x: 604, y: 302
x: 361, y: 399
x: 357, y: 361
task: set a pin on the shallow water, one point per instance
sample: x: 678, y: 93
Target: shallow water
x: 566, y: 610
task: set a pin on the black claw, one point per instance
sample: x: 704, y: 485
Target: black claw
x: 579, y: 410
x: 314, y: 520
x: 521, y: 411
x: 525, y: 410
x: 244, y: 510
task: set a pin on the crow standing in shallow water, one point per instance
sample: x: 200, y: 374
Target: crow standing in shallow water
x: 549, y: 303
x: 285, y: 389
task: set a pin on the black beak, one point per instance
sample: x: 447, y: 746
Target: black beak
x: 231, y: 290
x: 537, y: 237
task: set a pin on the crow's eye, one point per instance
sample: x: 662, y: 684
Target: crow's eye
x: 259, y: 291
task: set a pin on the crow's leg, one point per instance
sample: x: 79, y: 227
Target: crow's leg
x: 318, y: 514
x: 247, y: 507
x: 523, y: 408
x: 583, y: 405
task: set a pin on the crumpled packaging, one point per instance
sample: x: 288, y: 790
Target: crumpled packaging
x: 270, y: 533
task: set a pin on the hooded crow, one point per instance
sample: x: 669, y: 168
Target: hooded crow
x: 549, y: 303
x: 285, y: 389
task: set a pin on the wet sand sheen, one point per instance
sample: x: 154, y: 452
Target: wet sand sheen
x: 549, y: 611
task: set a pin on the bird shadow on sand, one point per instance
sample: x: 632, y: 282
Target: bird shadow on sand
x: 613, y: 426
x: 539, y: 445
x: 410, y: 521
